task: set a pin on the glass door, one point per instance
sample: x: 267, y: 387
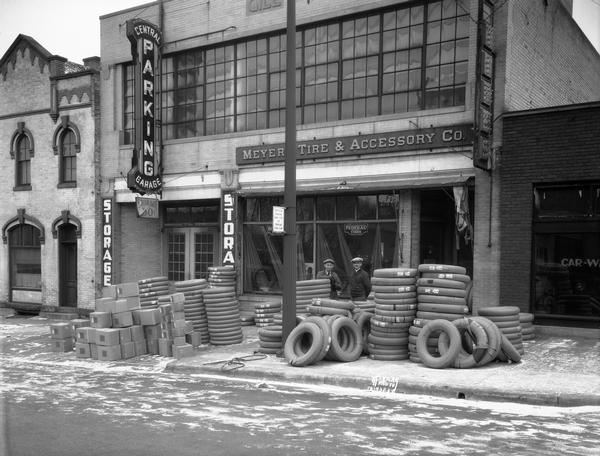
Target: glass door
x: 190, y: 252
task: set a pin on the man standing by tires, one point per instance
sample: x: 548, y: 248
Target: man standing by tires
x: 360, y: 283
x: 329, y: 273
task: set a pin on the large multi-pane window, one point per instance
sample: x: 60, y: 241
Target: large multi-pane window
x: 337, y: 227
x: 387, y: 61
x: 128, y: 105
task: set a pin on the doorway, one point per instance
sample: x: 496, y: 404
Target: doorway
x: 190, y: 252
x: 67, y: 265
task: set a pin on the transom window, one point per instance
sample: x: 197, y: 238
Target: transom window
x: 387, y: 61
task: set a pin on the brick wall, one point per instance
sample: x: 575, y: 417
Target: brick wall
x: 540, y: 147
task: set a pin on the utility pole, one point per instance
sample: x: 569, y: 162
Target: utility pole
x: 289, y: 193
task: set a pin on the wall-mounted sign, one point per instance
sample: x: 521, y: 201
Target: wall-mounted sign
x: 278, y: 219
x: 229, y: 217
x: 107, y: 238
x: 147, y: 207
x: 145, y: 38
x: 356, y: 229
x: 398, y: 141
x: 261, y: 6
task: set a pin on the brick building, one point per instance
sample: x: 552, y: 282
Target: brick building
x: 398, y: 109
x: 550, y: 213
x: 49, y: 121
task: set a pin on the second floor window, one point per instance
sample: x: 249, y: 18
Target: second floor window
x: 68, y: 160
x: 23, y: 162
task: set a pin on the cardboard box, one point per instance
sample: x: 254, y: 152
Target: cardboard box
x: 178, y: 316
x: 128, y: 290
x: 121, y: 305
x: 109, y: 292
x: 189, y: 327
x: 152, y: 345
x: 85, y: 335
x: 105, y: 305
x: 182, y: 351
x: 141, y: 348
x: 178, y: 331
x: 62, y: 345
x: 107, y: 336
x: 61, y: 330
x: 128, y: 350
x: 101, y: 319
x: 109, y: 352
x: 125, y: 335
x: 165, y: 310
x: 152, y: 331
x: 94, y: 351
x: 82, y: 350
x: 137, y: 333
x: 179, y: 340
x: 194, y: 339
x: 147, y: 317
x: 122, y: 319
x: 79, y: 323
x: 166, y: 333
x: 133, y: 302
x: 165, y: 347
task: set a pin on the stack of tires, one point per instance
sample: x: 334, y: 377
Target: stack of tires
x: 221, y: 276
x: 270, y: 339
x: 332, y: 337
x: 443, y: 292
x: 506, y: 318
x: 194, y: 308
x: 306, y: 290
x: 151, y: 289
x: 327, y: 306
x: 265, y: 311
x: 395, y: 308
x: 368, y: 305
x: 223, y: 315
x: 527, y: 328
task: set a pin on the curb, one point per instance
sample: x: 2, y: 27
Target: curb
x: 555, y: 399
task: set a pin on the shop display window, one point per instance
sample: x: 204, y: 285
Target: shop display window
x: 344, y: 227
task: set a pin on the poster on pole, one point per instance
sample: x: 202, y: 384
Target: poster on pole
x: 278, y: 219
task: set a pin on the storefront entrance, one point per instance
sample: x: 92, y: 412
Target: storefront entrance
x: 190, y: 252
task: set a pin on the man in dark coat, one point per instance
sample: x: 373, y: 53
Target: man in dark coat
x: 360, y: 283
x: 329, y: 273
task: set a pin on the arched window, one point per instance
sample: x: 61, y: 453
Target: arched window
x: 23, y: 162
x: 68, y: 157
x: 25, y: 257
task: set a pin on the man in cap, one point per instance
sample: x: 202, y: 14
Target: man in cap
x: 329, y: 273
x: 360, y: 283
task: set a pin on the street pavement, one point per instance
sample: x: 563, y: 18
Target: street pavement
x: 554, y: 370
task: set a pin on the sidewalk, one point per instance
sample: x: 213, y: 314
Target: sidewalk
x: 557, y: 371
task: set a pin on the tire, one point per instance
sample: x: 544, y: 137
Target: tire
x: 378, y: 357
x: 322, y: 310
x: 467, y: 359
x: 382, y: 281
x: 363, y: 320
x: 438, y: 316
x: 444, y: 308
x: 308, y: 283
x: 400, y: 295
x: 391, y: 341
x: 326, y: 302
x: 399, y: 307
x: 395, y: 313
x: 442, y: 299
x: 448, y: 276
x: 494, y: 340
x: 400, y: 288
x: 445, y: 268
x: 441, y: 283
x: 293, y: 344
x: 498, y: 311
x: 438, y: 291
x: 401, y: 302
x: 352, y: 332
x: 504, y: 318
x: 395, y: 272
x: 446, y: 359
x: 326, y: 331
x: 509, y: 350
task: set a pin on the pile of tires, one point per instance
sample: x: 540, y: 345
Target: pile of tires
x: 306, y: 290
x: 334, y: 337
x: 265, y: 311
x: 149, y: 290
x: 223, y: 315
x: 327, y: 306
x: 270, y: 339
x: 527, y: 328
x: 464, y: 343
x: 443, y: 292
x: 395, y: 299
x: 221, y: 276
x: 507, y: 320
x: 368, y: 305
x: 363, y: 320
x: 193, y: 307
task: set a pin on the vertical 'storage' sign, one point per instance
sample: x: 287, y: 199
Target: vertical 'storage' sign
x: 146, y: 40
x: 228, y: 217
x: 107, y: 239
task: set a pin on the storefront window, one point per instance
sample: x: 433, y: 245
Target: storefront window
x: 335, y: 233
x: 567, y: 252
x: 25, y: 257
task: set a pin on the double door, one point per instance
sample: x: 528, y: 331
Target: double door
x: 190, y: 252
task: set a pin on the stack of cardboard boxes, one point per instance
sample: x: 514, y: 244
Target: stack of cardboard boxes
x: 120, y: 329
